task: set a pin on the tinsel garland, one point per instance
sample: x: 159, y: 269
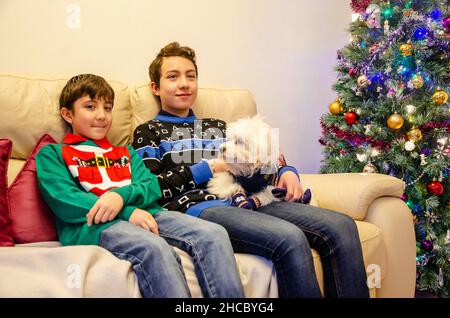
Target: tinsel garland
x: 360, y: 6
x: 433, y: 125
x: 356, y: 140
x: 393, y: 37
x: 351, y: 137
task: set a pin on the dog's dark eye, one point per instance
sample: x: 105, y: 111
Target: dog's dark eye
x: 239, y: 141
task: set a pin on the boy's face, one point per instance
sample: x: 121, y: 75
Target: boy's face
x: 178, y: 85
x: 90, y: 118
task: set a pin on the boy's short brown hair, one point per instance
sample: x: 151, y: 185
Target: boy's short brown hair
x: 172, y: 49
x: 85, y: 84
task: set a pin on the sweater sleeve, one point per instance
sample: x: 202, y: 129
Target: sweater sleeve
x: 59, y: 189
x: 173, y: 182
x: 143, y: 192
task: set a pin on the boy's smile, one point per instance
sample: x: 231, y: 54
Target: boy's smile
x: 90, y: 118
x: 178, y: 85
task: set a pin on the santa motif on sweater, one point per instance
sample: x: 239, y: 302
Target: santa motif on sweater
x: 98, y: 168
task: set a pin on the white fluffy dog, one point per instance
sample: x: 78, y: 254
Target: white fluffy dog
x: 251, y: 152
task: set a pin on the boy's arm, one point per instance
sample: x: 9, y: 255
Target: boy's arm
x: 173, y: 182
x: 143, y: 191
x: 58, y: 188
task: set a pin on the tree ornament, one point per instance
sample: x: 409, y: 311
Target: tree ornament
x: 440, y: 97
x: 406, y: 49
x: 417, y: 81
x: 362, y: 81
x: 352, y: 72
x: 420, y: 33
x: 360, y: 6
x: 351, y: 118
x: 336, y: 107
x: 410, y: 109
x: 435, y: 14
x: 373, y: 13
x: 446, y: 24
x: 370, y: 168
x: 409, y: 145
x: 414, y: 134
x: 426, y: 245
x: 386, y: 27
x: 435, y: 188
x: 395, y: 121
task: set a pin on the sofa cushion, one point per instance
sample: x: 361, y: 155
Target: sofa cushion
x: 6, y: 238
x: 34, y: 102
x: 351, y: 193
x: 69, y: 271
x: 374, y: 254
x: 225, y: 104
x: 31, y: 218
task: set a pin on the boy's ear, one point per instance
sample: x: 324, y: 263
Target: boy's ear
x: 66, y: 114
x: 155, y: 88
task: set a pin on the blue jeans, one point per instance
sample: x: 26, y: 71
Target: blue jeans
x: 284, y: 232
x: 157, y: 266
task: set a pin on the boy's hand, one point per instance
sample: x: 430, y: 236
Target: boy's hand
x: 294, y: 189
x: 105, y: 209
x: 144, y: 220
x: 219, y: 165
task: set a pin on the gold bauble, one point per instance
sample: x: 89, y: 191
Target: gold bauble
x: 417, y: 81
x: 406, y: 49
x: 362, y: 81
x: 395, y: 121
x: 336, y: 107
x: 414, y: 134
x: 440, y: 97
x: 370, y: 168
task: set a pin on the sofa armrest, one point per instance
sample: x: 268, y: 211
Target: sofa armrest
x: 351, y: 193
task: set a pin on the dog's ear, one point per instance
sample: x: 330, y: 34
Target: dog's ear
x: 258, y: 117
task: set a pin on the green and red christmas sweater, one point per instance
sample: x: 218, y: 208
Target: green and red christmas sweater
x: 73, y: 175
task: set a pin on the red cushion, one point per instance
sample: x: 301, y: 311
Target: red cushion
x: 6, y: 238
x: 31, y: 218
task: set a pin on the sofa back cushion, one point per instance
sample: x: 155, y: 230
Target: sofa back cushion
x: 226, y: 104
x: 31, y: 218
x: 6, y: 238
x: 30, y: 108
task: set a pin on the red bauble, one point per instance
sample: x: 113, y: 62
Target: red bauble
x: 352, y: 72
x: 435, y: 187
x: 351, y: 118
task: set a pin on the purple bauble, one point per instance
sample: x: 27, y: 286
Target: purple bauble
x: 403, y: 197
x: 426, y: 151
x: 446, y: 23
x: 426, y: 245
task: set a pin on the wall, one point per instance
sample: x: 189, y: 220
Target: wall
x: 282, y: 50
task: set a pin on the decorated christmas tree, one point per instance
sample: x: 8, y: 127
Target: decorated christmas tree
x: 391, y: 116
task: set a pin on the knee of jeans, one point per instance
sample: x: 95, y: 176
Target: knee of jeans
x: 344, y: 229
x: 215, y: 231
x: 292, y: 236
x: 156, y: 245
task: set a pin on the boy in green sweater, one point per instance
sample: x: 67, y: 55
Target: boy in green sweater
x: 103, y: 195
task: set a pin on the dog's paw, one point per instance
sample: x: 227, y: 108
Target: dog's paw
x: 240, y: 200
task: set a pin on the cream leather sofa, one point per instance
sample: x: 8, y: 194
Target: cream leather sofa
x: 29, y: 108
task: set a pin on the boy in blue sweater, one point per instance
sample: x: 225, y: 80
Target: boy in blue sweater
x: 283, y: 232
